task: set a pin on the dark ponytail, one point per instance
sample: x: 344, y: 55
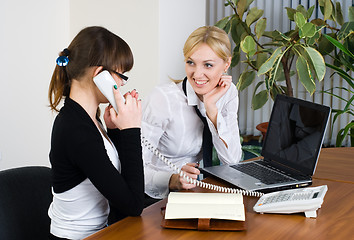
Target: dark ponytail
x: 59, y: 85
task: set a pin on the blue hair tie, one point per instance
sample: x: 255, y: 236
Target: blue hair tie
x: 63, y: 60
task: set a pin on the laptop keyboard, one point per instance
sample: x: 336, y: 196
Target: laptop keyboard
x: 263, y: 174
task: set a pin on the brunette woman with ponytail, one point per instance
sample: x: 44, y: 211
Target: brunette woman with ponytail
x: 97, y: 173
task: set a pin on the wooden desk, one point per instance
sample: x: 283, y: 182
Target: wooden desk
x: 336, y: 164
x: 335, y: 220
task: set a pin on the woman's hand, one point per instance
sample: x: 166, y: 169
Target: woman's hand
x: 177, y: 182
x: 129, y: 113
x: 107, y: 118
x: 214, y: 95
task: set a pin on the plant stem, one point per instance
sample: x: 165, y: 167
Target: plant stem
x: 291, y: 61
x: 251, y: 65
x: 284, y: 61
x: 332, y: 28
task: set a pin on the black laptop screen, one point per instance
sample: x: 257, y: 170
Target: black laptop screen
x: 295, y: 133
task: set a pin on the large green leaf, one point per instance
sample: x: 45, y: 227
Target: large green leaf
x: 259, y: 99
x: 291, y: 13
x: 275, y: 71
x: 339, y: 45
x: 260, y: 27
x: 311, y: 41
x: 249, y: 2
x: 333, y: 15
x: 310, y: 11
x: 300, y: 8
x: 248, y: 46
x: 349, y: 79
x: 300, y: 19
x: 327, y: 9
x: 253, y: 15
x: 275, y: 35
x: 304, y: 73
x: 325, y: 47
x: 339, y: 14
x: 285, y: 37
x: 235, y: 56
x: 228, y: 26
x: 245, y: 80
x: 343, y: 133
x: 268, y: 65
x: 307, y: 30
x: 351, y: 14
x: 236, y: 30
x: 260, y: 59
x: 222, y: 23
x: 241, y: 7
x: 317, y: 62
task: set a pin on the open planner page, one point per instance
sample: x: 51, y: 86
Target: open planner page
x: 184, y: 205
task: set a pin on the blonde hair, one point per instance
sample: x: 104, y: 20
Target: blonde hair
x: 214, y: 37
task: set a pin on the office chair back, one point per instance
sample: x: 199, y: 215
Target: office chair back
x: 25, y: 195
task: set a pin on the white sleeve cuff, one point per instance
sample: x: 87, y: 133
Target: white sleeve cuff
x: 160, y: 184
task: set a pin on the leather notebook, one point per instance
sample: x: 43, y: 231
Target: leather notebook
x: 204, y: 224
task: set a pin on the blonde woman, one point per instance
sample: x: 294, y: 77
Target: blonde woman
x: 173, y: 115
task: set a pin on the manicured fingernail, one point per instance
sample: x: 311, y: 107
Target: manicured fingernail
x: 115, y: 87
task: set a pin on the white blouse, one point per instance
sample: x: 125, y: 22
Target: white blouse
x: 171, y: 124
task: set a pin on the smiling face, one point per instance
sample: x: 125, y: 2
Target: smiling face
x: 204, y: 69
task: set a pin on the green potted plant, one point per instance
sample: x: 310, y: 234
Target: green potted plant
x: 271, y: 55
x: 343, y: 58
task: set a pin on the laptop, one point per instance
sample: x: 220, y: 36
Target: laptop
x: 290, y: 149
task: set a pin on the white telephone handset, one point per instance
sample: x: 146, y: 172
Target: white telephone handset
x: 306, y: 200
x: 105, y: 82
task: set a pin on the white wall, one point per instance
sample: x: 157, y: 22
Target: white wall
x: 32, y: 34
x: 178, y: 19
x: 135, y: 21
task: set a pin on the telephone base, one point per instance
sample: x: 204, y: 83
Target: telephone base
x: 304, y: 200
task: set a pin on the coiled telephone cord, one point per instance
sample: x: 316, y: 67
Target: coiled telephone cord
x: 198, y: 183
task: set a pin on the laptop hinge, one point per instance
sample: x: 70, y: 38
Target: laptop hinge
x: 286, y: 169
